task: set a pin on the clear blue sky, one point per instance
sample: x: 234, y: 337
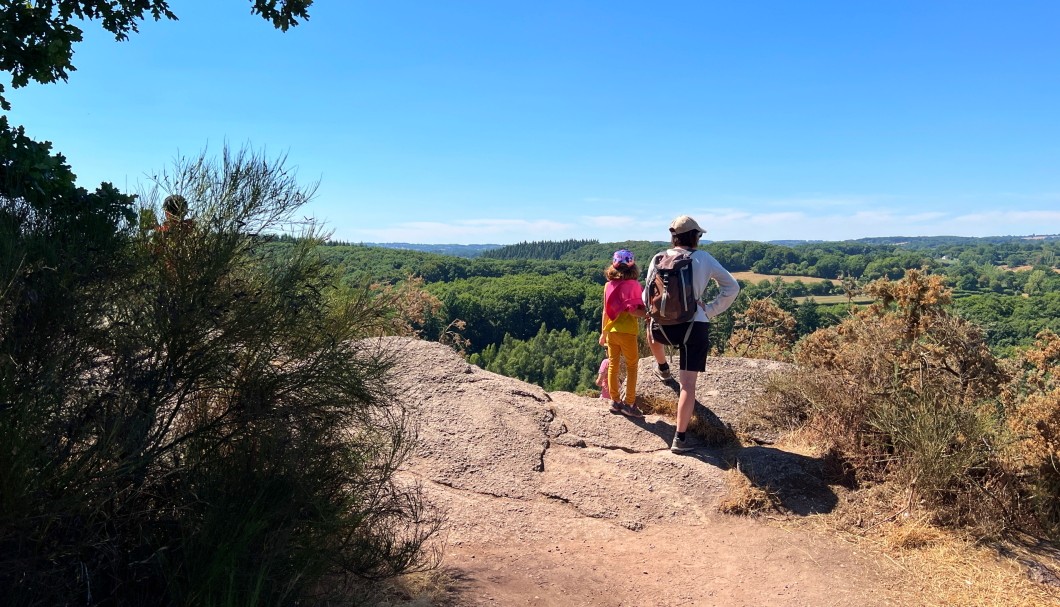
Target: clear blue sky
x: 497, y: 121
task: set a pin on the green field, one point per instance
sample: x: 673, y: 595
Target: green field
x: 834, y: 299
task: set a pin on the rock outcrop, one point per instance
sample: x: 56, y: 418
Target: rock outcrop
x: 553, y: 500
x: 493, y: 435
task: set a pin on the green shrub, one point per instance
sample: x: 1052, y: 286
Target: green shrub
x: 207, y: 424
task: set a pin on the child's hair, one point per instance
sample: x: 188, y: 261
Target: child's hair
x: 622, y: 272
x: 623, y: 266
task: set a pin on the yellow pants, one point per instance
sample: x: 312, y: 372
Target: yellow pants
x: 622, y: 345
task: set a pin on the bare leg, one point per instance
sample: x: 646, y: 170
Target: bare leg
x: 687, y: 401
x: 658, y: 350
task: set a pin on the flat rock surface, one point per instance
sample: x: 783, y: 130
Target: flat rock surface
x: 553, y: 500
x: 726, y: 391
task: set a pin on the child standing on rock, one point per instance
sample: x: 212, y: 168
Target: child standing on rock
x: 619, y: 327
x: 601, y: 379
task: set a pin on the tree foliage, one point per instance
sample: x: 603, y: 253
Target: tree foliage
x: 517, y: 305
x: 553, y: 359
x: 37, y: 38
x: 549, y: 249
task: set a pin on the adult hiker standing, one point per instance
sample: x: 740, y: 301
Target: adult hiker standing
x: 673, y: 290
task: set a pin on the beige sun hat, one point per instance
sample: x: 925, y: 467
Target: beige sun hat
x: 683, y: 224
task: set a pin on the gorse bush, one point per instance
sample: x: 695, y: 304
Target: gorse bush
x: 186, y: 421
x: 1032, y: 400
x: 762, y: 330
x: 905, y: 391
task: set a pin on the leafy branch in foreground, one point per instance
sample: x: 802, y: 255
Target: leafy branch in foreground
x: 211, y: 426
x: 37, y: 38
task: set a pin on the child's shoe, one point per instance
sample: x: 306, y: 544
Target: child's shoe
x: 617, y: 407
x: 632, y: 411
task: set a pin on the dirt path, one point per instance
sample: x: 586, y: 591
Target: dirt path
x: 513, y: 553
x: 552, y: 500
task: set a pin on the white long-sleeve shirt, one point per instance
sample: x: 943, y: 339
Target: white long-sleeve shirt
x: 704, y: 268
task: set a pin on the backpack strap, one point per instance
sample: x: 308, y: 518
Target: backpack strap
x: 688, y: 331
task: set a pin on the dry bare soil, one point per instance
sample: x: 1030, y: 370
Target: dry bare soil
x: 552, y: 500
x: 755, y: 277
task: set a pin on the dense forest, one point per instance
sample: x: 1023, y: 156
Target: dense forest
x: 532, y: 310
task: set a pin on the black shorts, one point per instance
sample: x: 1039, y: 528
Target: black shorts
x: 694, y: 351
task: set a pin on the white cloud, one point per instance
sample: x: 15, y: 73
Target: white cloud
x: 610, y: 221
x: 1012, y: 217
x: 928, y: 216
x: 466, y: 231
x: 869, y: 217
x: 722, y: 224
x: 776, y: 218
x: 823, y: 202
x: 722, y: 215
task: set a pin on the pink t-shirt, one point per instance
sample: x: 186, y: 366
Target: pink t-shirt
x: 621, y: 296
x: 604, y: 392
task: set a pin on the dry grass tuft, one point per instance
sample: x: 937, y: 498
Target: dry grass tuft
x: 655, y: 405
x: 950, y: 570
x: 936, y: 567
x: 913, y: 535
x: 433, y: 588
x: 713, y: 434
x: 744, y: 498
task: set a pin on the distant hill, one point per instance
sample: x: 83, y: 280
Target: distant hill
x: 794, y: 243
x: 934, y: 241
x: 455, y: 250
x: 592, y: 250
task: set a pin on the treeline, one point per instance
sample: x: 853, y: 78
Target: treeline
x: 982, y: 267
x: 822, y: 260
x: 545, y: 249
x: 827, y: 260
x: 361, y: 263
x: 506, y: 308
x: 938, y: 242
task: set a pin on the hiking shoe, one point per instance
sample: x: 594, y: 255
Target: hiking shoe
x: 662, y: 374
x: 632, y: 411
x: 617, y: 407
x: 680, y: 446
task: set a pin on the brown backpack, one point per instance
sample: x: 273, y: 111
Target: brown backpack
x: 671, y: 295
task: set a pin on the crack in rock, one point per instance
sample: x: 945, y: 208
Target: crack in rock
x: 474, y: 491
x: 537, y: 397
x: 558, y: 498
x: 629, y: 450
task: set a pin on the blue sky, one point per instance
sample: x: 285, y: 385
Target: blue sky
x: 498, y: 121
